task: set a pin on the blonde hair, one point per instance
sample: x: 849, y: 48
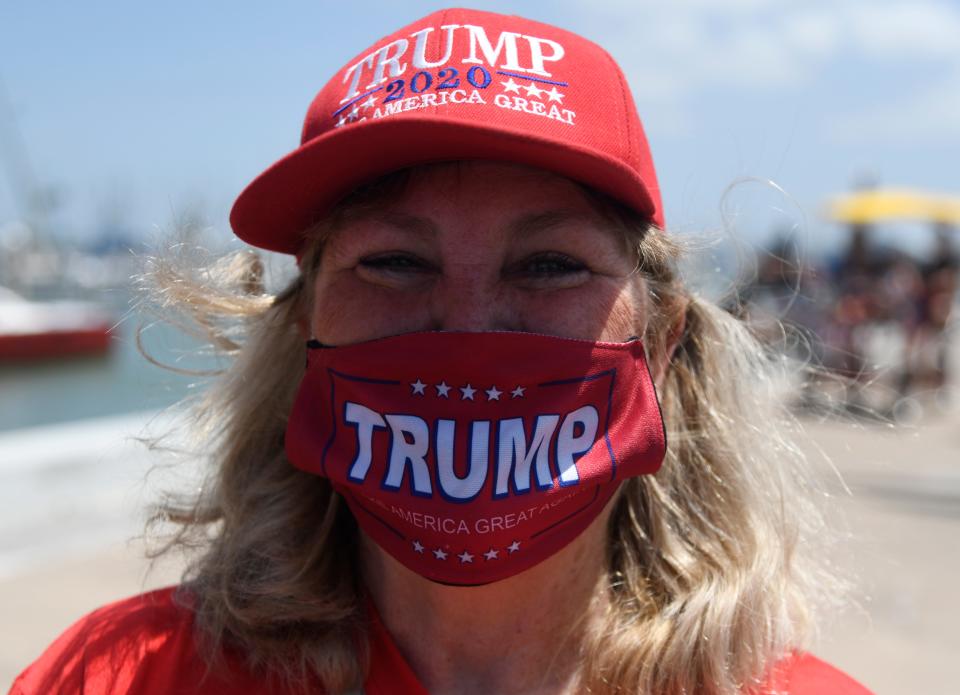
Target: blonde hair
x: 714, y: 563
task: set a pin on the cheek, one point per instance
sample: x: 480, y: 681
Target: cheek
x: 345, y: 311
x: 628, y: 313
x: 626, y: 317
x: 609, y: 311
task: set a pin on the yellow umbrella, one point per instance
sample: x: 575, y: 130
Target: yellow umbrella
x: 881, y: 205
x: 946, y: 210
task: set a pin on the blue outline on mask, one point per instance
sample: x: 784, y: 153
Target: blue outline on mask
x: 436, y: 460
x: 612, y: 373
x: 410, y: 478
x: 373, y: 433
x: 596, y: 493
x: 333, y: 402
x: 577, y: 456
x: 390, y: 528
x: 512, y: 488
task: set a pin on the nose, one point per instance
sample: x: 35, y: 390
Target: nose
x: 472, y: 304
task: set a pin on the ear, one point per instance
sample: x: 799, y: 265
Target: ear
x: 678, y: 324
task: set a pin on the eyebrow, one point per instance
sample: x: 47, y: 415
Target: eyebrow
x: 418, y: 226
x: 527, y: 225
x: 537, y: 222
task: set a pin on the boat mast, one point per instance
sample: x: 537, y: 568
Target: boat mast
x: 31, y: 202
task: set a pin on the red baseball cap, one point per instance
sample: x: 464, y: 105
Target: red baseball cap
x: 457, y: 84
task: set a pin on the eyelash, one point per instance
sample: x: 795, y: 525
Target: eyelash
x: 394, y: 261
x: 559, y: 264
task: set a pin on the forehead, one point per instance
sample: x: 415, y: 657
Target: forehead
x: 481, y: 179
x: 474, y: 192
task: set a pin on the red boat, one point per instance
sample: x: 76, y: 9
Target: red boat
x: 32, y: 331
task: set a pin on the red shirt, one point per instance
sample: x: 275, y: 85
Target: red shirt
x: 146, y: 645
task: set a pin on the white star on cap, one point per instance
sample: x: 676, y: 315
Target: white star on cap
x: 492, y: 554
x: 514, y: 547
x: 439, y: 554
x: 418, y: 546
x: 465, y: 557
x: 518, y: 392
x: 418, y: 387
x: 511, y: 86
x: 493, y: 394
x: 467, y: 392
x: 343, y: 119
x: 555, y: 95
x: 442, y: 389
x: 370, y: 102
x: 533, y: 90
x: 354, y: 113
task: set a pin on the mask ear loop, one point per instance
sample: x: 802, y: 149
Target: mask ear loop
x: 312, y: 344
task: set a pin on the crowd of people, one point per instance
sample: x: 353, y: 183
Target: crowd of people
x: 876, y: 317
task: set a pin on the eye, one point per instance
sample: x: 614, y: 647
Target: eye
x: 393, y: 262
x: 393, y: 269
x: 553, y: 264
x: 550, y: 264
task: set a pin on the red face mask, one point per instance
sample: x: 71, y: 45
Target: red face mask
x: 471, y: 457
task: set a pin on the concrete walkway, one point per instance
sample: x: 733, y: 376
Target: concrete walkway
x: 904, y: 518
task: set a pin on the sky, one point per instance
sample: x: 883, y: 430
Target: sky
x: 132, y: 113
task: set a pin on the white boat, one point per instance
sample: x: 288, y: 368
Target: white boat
x: 31, y: 331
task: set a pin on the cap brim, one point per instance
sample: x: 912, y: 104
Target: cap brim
x: 296, y: 192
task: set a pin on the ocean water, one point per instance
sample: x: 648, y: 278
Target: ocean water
x: 124, y: 381
x: 75, y: 475
x: 73, y: 488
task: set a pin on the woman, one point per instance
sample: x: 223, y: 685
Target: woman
x: 481, y: 499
